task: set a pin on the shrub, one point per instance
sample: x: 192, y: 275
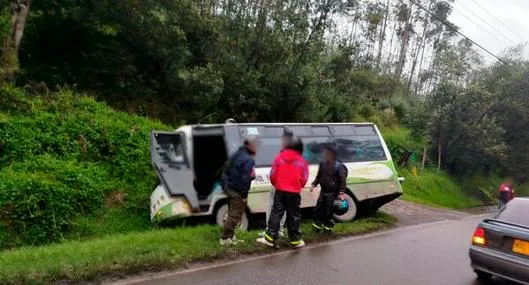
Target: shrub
x: 13, y: 100
x: 39, y: 198
x: 399, y: 142
x: 63, y: 159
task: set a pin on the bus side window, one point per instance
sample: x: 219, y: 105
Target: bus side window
x: 232, y: 138
x: 321, y: 131
x: 270, y: 145
x: 300, y: 131
x: 313, y: 150
x: 360, y: 149
x: 268, y: 150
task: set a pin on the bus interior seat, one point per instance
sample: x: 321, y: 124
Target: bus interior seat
x: 209, y: 157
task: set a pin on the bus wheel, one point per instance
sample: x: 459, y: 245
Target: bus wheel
x: 222, y: 214
x: 351, y: 212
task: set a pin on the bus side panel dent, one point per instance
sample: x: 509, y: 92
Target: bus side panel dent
x: 373, y: 190
x: 164, y: 206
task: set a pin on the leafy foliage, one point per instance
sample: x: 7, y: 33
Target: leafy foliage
x: 68, y: 157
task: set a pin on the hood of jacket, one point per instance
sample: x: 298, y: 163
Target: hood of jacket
x: 289, y: 155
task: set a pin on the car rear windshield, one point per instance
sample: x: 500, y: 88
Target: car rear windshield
x: 515, y: 212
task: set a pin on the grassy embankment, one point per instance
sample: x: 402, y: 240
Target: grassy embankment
x: 439, y: 189
x: 134, y: 252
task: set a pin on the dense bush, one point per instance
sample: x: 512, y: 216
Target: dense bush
x: 400, y: 143
x: 64, y: 158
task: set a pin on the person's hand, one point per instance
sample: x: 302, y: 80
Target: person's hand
x: 341, y: 196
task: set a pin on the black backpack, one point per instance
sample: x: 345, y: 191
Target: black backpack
x: 337, y: 166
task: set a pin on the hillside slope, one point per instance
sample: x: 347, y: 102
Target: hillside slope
x: 435, y: 188
x: 70, y: 167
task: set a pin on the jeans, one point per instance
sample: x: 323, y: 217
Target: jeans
x: 237, y: 206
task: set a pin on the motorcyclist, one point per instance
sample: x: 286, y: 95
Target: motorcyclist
x: 506, y: 191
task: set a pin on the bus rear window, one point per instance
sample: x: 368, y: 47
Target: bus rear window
x: 360, y: 148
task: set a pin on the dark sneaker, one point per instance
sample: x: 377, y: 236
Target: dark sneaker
x: 317, y: 227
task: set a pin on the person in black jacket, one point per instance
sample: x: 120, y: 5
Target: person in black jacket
x: 237, y: 179
x: 332, y: 177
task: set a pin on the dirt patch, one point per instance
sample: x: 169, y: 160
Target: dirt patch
x: 409, y: 213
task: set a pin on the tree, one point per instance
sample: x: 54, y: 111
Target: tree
x: 404, y: 16
x: 19, y: 10
x: 464, y: 132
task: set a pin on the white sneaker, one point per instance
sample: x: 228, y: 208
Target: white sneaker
x: 282, y: 233
x: 236, y: 241
x: 262, y: 240
x: 299, y: 245
x: 226, y: 242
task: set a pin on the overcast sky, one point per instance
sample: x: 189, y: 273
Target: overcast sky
x: 474, y: 21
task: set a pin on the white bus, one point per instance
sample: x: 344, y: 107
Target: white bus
x: 189, y: 162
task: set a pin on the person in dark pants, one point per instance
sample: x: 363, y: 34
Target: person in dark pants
x: 237, y: 179
x: 289, y: 175
x: 332, y: 179
x: 287, y: 136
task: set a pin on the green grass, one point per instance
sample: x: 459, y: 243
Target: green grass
x: 134, y: 252
x: 440, y: 189
x: 107, y: 223
x: 435, y: 189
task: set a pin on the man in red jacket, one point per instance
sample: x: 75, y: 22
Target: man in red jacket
x: 289, y: 175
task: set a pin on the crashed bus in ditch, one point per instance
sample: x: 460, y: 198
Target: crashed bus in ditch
x: 189, y: 163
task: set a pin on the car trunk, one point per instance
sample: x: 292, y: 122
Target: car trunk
x: 501, y: 236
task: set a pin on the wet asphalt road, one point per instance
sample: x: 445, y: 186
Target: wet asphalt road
x: 430, y: 254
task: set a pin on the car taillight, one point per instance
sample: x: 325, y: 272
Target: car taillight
x: 479, y: 237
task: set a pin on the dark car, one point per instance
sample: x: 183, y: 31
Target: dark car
x: 500, y: 246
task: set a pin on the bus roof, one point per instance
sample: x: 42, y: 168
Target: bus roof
x: 278, y: 124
